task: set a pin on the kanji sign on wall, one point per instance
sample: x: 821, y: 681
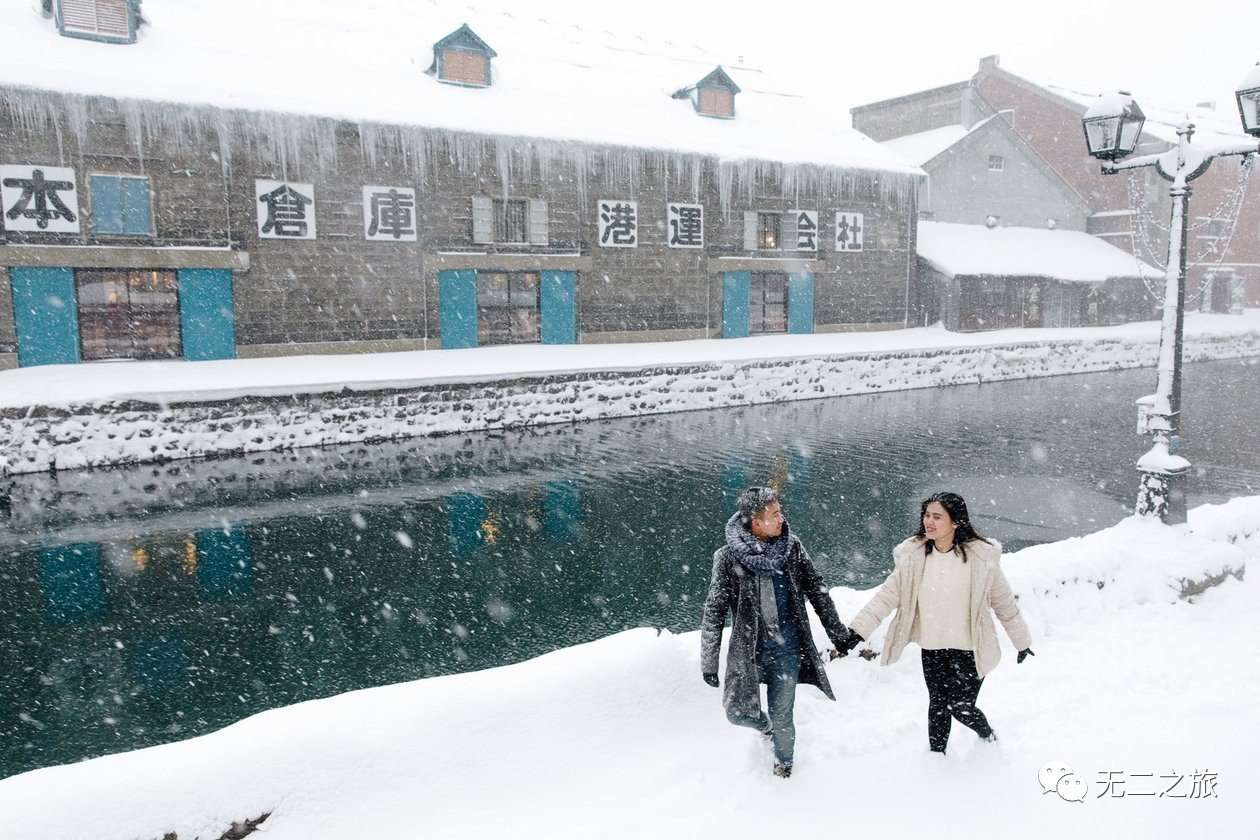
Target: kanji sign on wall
x: 618, y: 223
x: 806, y: 229
x: 389, y: 214
x: 285, y: 210
x: 685, y: 225
x: 40, y: 199
x: 849, y: 231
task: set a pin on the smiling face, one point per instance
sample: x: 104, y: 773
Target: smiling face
x: 768, y: 523
x: 938, y: 525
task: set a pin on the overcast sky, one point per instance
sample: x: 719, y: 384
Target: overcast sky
x: 883, y: 48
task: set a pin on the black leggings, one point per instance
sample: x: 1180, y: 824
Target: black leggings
x: 953, y: 685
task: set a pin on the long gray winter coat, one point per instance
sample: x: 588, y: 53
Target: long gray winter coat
x: 734, y: 588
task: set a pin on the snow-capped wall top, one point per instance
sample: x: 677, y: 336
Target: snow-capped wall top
x: 1067, y: 255
x: 920, y: 148
x: 584, y: 78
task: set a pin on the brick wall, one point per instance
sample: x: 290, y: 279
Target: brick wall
x: 1055, y: 131
x: 923, y: 111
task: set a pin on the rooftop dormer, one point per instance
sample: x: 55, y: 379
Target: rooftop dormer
x: 712, y: 96
x: 462, y: 58
x: 112, y: 21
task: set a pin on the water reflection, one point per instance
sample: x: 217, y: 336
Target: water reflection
x: 145, y: 604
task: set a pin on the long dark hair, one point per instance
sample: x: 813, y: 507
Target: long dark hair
x: 964, y: 532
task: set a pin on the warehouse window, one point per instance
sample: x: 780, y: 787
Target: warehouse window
x: 128, y: 314
x: 507, y: 307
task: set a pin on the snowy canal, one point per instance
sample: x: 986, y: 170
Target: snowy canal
x: 153, y: 603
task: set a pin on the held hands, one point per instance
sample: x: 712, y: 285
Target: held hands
x: 711, y: 679
x: 1024, y: 654
x: 851, y: 641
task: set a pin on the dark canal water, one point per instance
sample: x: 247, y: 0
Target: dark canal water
x: 149, y: 604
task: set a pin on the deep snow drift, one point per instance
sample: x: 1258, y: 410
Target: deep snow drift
x: 620, y: 738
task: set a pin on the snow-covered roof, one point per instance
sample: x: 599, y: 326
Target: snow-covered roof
x: 1212, y: 128
x: 587, y: 77
x: 919, y: 148
x: 1067, y: 255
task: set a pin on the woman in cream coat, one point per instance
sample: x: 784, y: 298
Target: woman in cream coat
x: 945, y: 587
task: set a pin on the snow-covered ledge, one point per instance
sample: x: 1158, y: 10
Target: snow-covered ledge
x: 81, y: 416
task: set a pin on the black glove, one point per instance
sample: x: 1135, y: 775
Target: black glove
x: 1024, y: 654
x: 850, y: 642
x: 711, y: 679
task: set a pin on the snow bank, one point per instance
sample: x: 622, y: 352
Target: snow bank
x: 620, y: 738
x: 59, y: 386
x: 194, y: 409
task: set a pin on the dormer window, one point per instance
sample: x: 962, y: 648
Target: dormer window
x: 712, y: 96
x: 462, y: 58
x: 113, y: 21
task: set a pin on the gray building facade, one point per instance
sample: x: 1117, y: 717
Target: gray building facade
x: 202, y: 232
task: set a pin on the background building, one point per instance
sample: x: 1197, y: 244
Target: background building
x: 951, y: 131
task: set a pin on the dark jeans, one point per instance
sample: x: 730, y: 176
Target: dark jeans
x: 781, y: 673
x: 953, y: 685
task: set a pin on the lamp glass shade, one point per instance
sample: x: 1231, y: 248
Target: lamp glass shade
x: 1248, y: 94
x: 1113, y: 126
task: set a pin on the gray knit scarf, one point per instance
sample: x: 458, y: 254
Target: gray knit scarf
x: 763, y: 559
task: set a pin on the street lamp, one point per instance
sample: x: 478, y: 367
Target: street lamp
x: 1112, y: 127
x: 1249, y: 101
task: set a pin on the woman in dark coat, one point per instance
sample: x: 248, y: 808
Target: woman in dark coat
x: 763, y: 576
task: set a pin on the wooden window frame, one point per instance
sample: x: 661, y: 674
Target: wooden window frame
x: 82, y: 276
x: 757, y: 320
x: 502, y: 222
x: 445, y: 77
x: 764, y: 229
x: 485, y: 333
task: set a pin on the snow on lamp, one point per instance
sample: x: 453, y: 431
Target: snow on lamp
x: 1249, y: 101
x: 1112, y: 126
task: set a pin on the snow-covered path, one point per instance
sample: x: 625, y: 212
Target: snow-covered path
x: 620, y: 738
x: 176, y: 381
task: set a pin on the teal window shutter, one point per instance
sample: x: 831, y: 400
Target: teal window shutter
x: 207, y: 315
x: 457, y: 308
x: 801, y: 303
x: 121, y: 205
x: 107, y: 204
x: 736, y: 286
x: 45, y: 315
x: 137, y: 209
x: 559, y: 307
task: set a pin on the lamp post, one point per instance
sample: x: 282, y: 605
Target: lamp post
x: 1112, y: 127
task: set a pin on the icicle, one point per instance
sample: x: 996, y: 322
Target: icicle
x: 225, y: 132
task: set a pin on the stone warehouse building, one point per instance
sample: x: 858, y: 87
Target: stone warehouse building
x: 433, y: 179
